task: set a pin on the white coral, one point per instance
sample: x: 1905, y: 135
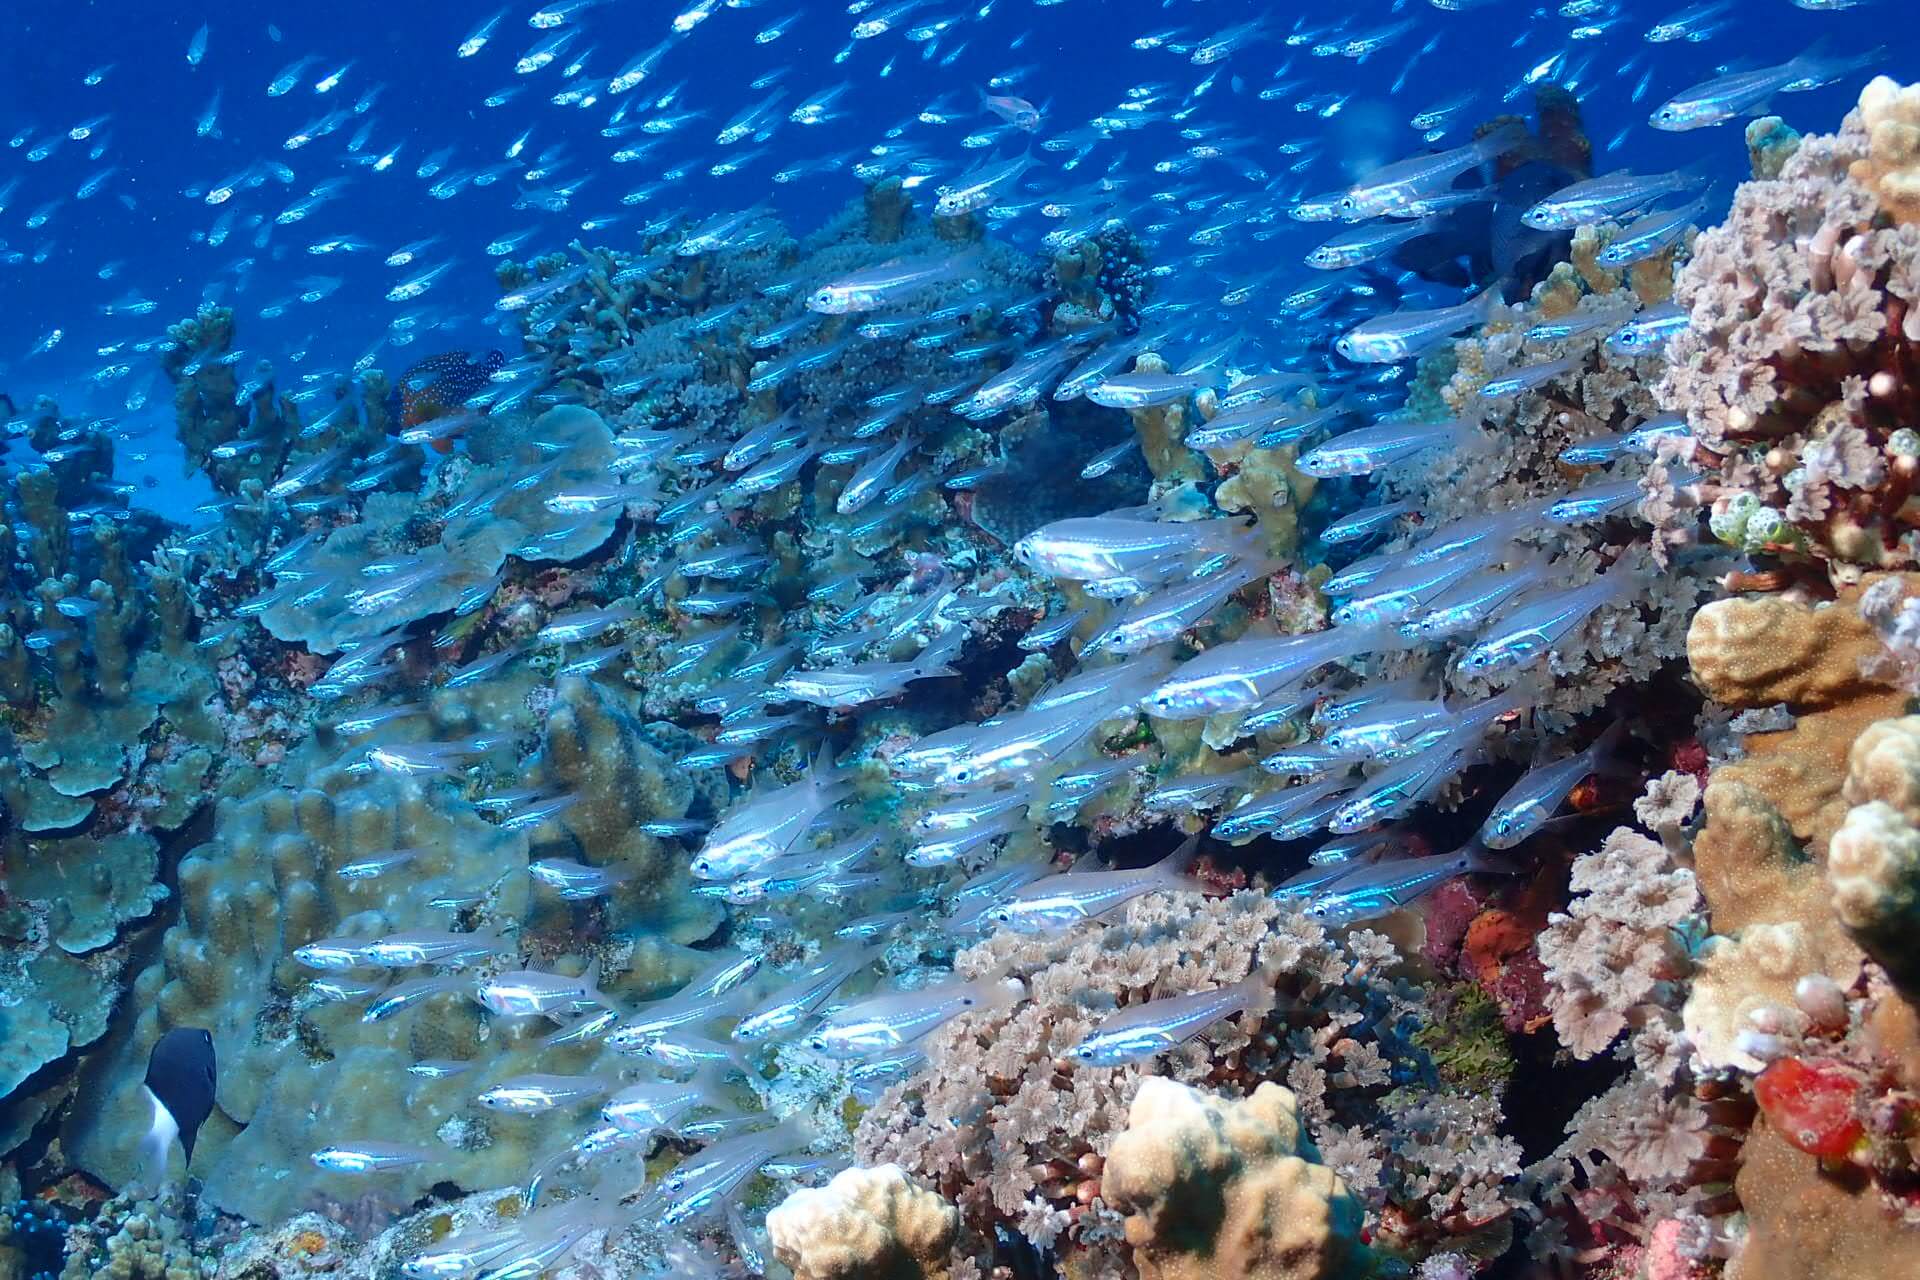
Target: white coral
x: 866, y: 1224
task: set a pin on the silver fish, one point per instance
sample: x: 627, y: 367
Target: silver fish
x: 1149, y: 1029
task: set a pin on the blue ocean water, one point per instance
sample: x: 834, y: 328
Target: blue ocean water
x: 383, y: 80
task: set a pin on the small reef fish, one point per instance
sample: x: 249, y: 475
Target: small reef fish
x: 440, y: 386
x: 888, y: 1022
x: 1381, y: 887
x: 1154, y: 1027
x: 1745, y: 93
x: 1062, y: 901
x: 369, y: 1155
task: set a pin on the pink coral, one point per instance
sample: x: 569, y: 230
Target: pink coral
x: 1618, y: 944
x: 1797, y: 369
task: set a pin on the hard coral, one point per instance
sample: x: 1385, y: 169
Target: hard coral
x: 266, y: 884
x: 1873, y: 862
x: 866, y: 1224
x: 1213, y: 1187
x: 999, y: 1121
x: 1621, y: 943
x: 1891, y: 114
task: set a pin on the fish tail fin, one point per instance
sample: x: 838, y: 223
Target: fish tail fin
x: 1000, y: 993
x: 1491, y: 299
x: 1175, y: 870
x: 590, y: 981
x: 1604, y: 754
x: 1510, y: 136
x: 157, y: 1142
x: 1482, y: 861
x: 1257, y: 993
x: 822, y: 761
x: 1698, y: 172
x: 1814, y: 53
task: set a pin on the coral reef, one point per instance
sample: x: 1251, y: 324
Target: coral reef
x: 610, y: 828
x: 1213, y: 1188
x: 997, y: 1122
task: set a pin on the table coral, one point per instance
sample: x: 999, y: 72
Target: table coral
x: 80, y: 718
x: 1217, y: 1187
x: 444, y: 556
x: 865, y: 1224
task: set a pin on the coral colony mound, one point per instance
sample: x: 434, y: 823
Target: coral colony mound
x: 857, y: 755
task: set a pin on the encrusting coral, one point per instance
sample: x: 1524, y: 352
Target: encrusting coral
x: 865, y: 1224
x: 1212, y: 1187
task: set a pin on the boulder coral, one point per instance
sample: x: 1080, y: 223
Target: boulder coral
x: 1805, y: 862
x: 1213, y: 1187
x: 1891, y: 113
x: 866, y: 1224
x: 1771, y: 815
x: 1873, y: 862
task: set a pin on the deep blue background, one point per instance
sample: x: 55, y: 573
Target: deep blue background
x: 1080, y: 63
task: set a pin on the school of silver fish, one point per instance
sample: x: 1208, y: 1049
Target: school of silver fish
x: 1322, y: 370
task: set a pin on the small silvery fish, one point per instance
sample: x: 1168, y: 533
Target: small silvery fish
x: 1062, y: 901
x: 1527, y: 805
x: 1149, y: 1029
x: 887, y: 1022
x: 1380, y: 887
x: 526, y: 992
x: 1403, y: 335
x: 370, y: 1156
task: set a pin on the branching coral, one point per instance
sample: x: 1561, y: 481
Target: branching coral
x: 1621, y: 961
x: 1622, y: 941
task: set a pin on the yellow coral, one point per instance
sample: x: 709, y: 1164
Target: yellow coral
x: 1891, y: 113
